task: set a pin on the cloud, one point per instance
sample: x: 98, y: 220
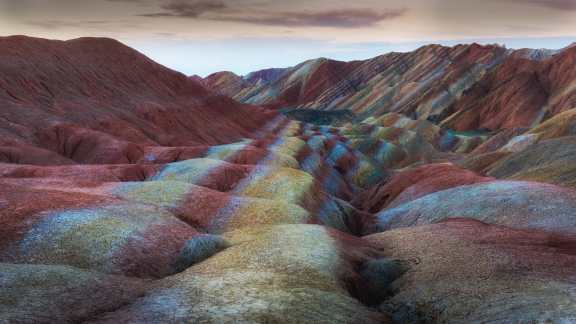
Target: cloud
x: 217, y: 10
x: 344, y: 18
x: 188, y: 9
x: 553, y: 4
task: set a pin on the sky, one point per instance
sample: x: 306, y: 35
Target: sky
x: 205, y: 36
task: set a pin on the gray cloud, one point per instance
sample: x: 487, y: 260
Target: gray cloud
x: 553, y: 4
x: 345, y: 18
x: 188, y: 9
x: 220, y: 11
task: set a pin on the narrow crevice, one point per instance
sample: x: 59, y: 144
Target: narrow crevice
x: 375, y: 278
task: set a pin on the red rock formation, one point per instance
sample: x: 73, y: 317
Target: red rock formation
x: 97, y: 101
x: 518, y: 93
x: 420, y: 83
x: 414, y: 183
x: 466, y: 87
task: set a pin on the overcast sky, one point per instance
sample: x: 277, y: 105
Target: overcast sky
x: 204, y: 36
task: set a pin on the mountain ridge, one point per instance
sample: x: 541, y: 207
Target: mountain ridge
x: 392, y: 82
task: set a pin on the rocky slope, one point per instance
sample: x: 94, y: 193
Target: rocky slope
x: 466, y: 87
x: 97, y: 101
x: 252, y: 217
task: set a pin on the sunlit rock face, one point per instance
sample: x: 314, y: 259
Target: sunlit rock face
x: 130, y: 193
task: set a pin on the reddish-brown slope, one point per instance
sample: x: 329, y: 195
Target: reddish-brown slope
x: 518, y: 93
x: 95, y: 100
x: 465, y: 87
x: 414, y: 82
x: 324, y: 75
x: 411, y: 184
x: 511, y: 96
